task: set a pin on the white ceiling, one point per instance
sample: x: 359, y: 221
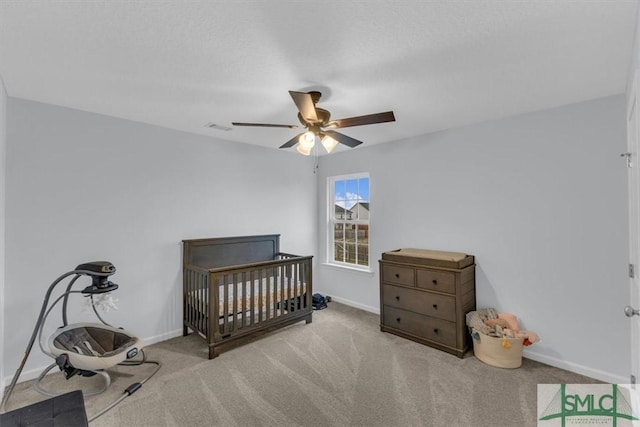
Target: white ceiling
x: 436, y: 64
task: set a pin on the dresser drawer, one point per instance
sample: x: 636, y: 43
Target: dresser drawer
x: 442, y: 281
x: 399, y: 275
x: 432, y: 329
x: 417, y: 301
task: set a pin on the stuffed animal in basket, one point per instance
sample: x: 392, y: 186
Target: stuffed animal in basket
x: 499, y: 325
x: 528, y: 337
x: 492, y: 323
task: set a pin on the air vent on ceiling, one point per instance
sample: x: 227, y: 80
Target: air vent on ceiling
x: 218, y: 127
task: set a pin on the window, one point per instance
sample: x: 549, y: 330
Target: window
x: 349, y: 206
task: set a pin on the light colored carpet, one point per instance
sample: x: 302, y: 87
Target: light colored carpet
x: 339, y: 370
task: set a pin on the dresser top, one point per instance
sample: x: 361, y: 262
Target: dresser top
x: 429, y: 257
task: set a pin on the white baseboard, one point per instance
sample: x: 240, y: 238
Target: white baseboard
x: 34, y: 373
x: 375, y: 310
x: 28, y: 375
x: 163, y: 337
x: 607, y: 377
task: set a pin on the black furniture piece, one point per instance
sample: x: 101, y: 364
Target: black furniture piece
x: 66, y: 410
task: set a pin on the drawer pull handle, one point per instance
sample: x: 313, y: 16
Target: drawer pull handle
x: 434, y: 281
x: 397, y: 276
x: 397, y: 297
x: 435, y: 306
x: 436, y: 330
x: 398, y: 319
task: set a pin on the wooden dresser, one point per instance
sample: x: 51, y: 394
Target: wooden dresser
x: 424, y: 296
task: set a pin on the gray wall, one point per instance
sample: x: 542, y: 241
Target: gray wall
x: 539, y: 199
x: 83, y: 187
x: 634, y: 64
x: 3, y: 147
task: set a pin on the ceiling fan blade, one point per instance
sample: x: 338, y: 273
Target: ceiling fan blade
x: 267, y: 125
x: 343, y: 139
x: 368, y: 119
x: 305, y: 105
x: 290, y: 143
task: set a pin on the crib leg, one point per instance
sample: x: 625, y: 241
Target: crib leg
x: 185, y: 331
x: 213, y: 352
x: 308, y: 319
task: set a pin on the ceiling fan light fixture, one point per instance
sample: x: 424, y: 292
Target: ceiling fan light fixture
x: 329, y: 143
x: 305, y: 151
x: 307, y: 139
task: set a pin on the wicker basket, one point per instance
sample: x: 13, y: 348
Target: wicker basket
x: 491, y: 351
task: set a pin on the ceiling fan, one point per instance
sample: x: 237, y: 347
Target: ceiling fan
x: 318, y: 123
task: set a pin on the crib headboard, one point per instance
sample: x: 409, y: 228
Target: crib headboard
x: 228, y: 251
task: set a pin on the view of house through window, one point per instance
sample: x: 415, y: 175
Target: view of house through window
x: 349, y: 219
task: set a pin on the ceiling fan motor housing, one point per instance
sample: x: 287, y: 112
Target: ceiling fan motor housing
x: 322, y: 115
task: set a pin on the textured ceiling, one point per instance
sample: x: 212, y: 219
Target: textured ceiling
x: 436, y: 64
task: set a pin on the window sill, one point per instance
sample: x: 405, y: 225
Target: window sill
x: 348, y: 268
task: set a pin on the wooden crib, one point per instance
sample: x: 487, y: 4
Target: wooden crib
x: 236, y: 289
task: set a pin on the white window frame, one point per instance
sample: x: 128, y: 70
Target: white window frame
x: 331, y: 222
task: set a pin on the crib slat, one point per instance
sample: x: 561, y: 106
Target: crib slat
x: 242, y: 294
x: 195, y: 301
x: 204, y: 297
x: 281, y: 297
x: 196, y: 309
x: 225, y: 302
x: 252, y: 296
x: 263, y: 303
x: 296, y: 283
x: 289, y: 290
x: 197, y: 282
x: 213, y: 290
x: 295, y: 287
x: 246, y: 292
x: 275, y: 292
x: 188, y: 306
x: 188, y: 314
x: 268, y: 278
x: 244, y: 298
x: 234, y: 317
x: 276, y: 286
